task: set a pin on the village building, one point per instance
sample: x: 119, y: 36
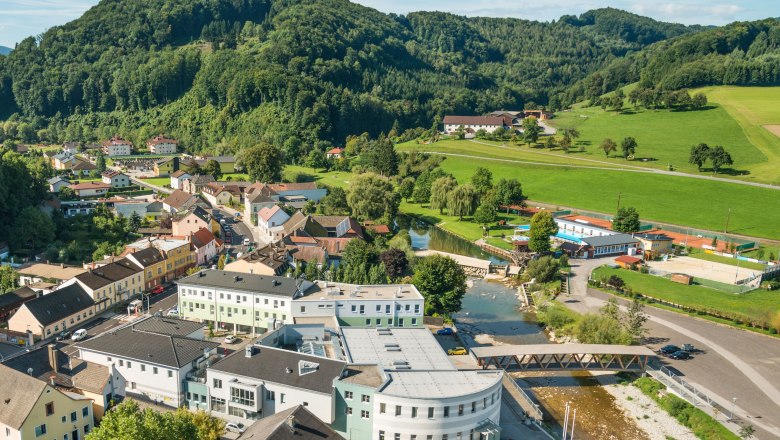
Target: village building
x: 188, y: 222
x: 178, y: 178
x: 196, y: 183
x: 48, y: 315
x: 56, y: 183
x: 45, y: 272
x: 335, y: 153
x: 270, y: 221
x: 227, y: 164
x: 162, y: 145
x: 116, y: 146
x: 166, y: 166
x: 205, y: 245
x: 116, y: 179
x: 90, y: 189
x: 472, y: 124
x: 153, y: 356
x: 35, y: 409
x: 179, y: 201
x: 110, y: 284
x: 268, y: 260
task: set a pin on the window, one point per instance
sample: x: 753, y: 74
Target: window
x: 121, y: 363
x: 382, y: 408
x: 170, y: 373
x: 154, y: 370
x: 218, y: 404
x: 40, y: 430
x: 73, y: 416
x: 362, y: 309
x: 365, y: 414
x: 129, y: 364
x: 387, y: 308
x: 484, y: 403
x: 444, y: 437
x: 64, y: 419
x: 430, y: 412
x: 474, y: 407
x: 348, y: 395
x: 378, y: 308
x: 397, y: 436
x: 407, y: 308
x: 414, y: 321
x: 270, y: 395
x: 303, y: 310
x: 381, y: 435
x: 281, y: 397
x: 242, y: 397
x: 460, y: 409
x: 397, y: 410
x: 368, y: 321
x: 50, y: 408
x: 348, y: 411
x: 365, y: 398
x: 414, y: 412
x: 85, y: 411
x: 143, y: 367
x: 416, y: 308
x: 86, y: 429
x: 446, y: 411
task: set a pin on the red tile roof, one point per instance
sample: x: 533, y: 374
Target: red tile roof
x: 160, y: 139
x: 628, y: 259
x: 90, y: 185
x: 336, y: 150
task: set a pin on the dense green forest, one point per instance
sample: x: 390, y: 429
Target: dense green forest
x: 223, y: 75
x: 742, y: 53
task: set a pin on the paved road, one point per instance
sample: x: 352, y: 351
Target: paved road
x: 734, y: 363
x: 619, y: 167
x: 161, y: 302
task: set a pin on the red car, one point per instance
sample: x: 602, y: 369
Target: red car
x: 158, y: 290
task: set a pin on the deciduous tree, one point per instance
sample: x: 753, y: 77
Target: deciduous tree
x: 719, y: 157
x: 542, y: 227
x: 442, y: 283
x: 371, y: 197
x: 482, y: 180
x: 212, y: 167
x: 440, y: 192
x: 699, y: 154
x: 628, y: 147
x: 485, y: 215
x: 608, y: 146
x: 263, y: 162
x: 462, y: 200
x: 626, y: 220
x: 395, y: 262
x: 509, y: 192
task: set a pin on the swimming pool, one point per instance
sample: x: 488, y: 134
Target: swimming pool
x: 560, y: 235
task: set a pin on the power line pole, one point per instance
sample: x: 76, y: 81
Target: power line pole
x: 618, y: 204
x: 728, y: 218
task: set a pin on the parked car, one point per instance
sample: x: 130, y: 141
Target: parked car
x: 457, y: 351
x: 173, y: 312
x: 231, y: 339
x: 158, y: 290
x: 688, y: 347
x: 669, y: 349
x: 247, y: 242
x: 65, y: 334
x: 680, y: 355
x: 445, y: 331
x: 235, y: 427
x: 79, y: 334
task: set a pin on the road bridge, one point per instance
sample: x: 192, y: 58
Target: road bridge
x: 564, y: 357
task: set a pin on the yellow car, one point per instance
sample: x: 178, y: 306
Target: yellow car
x: 457, y: 351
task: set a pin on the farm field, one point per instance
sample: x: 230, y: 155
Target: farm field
x: 758, y: 304
x: 735, y: 118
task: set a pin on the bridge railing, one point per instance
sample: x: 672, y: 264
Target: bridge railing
x: 686, y: 389
x: 531, y: 408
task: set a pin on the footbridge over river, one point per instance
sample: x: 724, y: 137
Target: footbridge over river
x: 474, y: 267
x: 562, y: 357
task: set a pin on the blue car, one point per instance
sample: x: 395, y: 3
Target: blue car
x: 680, y: 355
x: 669, y: 349
x: 445, y: 331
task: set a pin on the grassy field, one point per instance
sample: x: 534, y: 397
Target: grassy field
x: 465, y: 228
x: 734, y: 119
x: 679, y: 200
x: 158, y: 181
x: 759, y: 304
x: 335, y: 178
x: 726, y: 260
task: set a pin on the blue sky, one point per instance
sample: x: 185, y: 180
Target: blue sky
x: 22, y: 18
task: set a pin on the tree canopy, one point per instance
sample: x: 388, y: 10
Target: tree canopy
x: 626, y: 220
x: 128, y: 422
x: 542, y: 227
x: 442, y: 283
x: 263, y: 163
x: 372, y: 197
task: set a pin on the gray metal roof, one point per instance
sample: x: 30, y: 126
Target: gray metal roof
x: 167, y: 326
x: 283, y: 367
x: 147, y: 347
x: 270, y: 285
x: 609, y: 240
x: 18, y: 394
x: 59, y: 304
x: 305, y: 426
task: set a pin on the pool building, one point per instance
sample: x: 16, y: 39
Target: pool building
x: 581, y: 239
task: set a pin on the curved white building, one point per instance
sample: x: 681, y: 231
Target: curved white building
x: 421, y: 405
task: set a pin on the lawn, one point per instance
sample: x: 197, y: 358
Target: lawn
x: 465, y: 228
x: 334, y: 178
x: 726, y: 260
x: 158, y: 181
x: 759, y: 304
x: 734, y: 119
x: 679, y: 200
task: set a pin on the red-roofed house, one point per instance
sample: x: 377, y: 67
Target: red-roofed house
x: 116, y: 146
x: 205, y: 245
x: 335, y: 153
x: 161, y: 145
x: 90, y: 189
x: 271, y: 221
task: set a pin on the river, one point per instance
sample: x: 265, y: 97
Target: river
x: 491, y: 314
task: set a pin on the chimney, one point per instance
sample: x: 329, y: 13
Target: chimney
x: 290, y: 422
x: 53, y: 357
x: 249, y: 351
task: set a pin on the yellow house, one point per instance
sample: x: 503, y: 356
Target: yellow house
x: 164, y: 167
x: 65, y: 308
x: 34, y: 409
x: 654, y: 244
x: 114, y: 283
x: 175, y: 257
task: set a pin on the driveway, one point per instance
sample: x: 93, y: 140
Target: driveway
x: 733, y: 363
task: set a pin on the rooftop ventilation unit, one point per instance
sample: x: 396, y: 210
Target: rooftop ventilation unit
x: 392, y: 348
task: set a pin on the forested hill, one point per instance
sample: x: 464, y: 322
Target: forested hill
x: 224, y: 74
x: 742, y: 53
x: 5, y: 50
